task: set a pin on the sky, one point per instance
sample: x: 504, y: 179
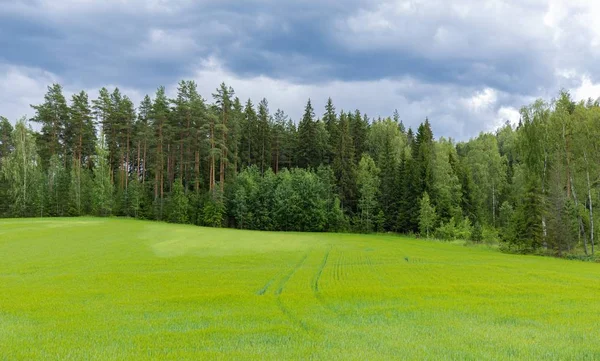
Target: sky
x: 467, y: 65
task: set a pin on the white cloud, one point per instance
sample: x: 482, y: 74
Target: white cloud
x: 470, y: 64
x: 166, y: 44
x: 587, y: 89
x: 507, y: 113
x: 20, y: 87
x: 454, y: 111
x: 66, y: 9
x: 459, y: 29
x: 482, y: 100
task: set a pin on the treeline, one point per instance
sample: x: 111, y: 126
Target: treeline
x: 222, y: 163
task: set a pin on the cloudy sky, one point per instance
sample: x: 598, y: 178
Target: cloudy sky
x: 468, y: 65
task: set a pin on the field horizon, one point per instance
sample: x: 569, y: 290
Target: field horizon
x: 108, y: 288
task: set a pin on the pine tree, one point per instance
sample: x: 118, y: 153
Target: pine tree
x: 199, y: 138
x: 159, y: 117
x: 143, y: 138
x: 224, y: 107
x: 53, y: 115
x: 235, y: 135
x: 248, y: 146
x: 103, y: 187
x: 82, y: 132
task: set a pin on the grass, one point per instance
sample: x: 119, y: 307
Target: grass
x: 107, y: 289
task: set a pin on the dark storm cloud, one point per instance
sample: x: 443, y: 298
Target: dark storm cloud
x: 467, y: 63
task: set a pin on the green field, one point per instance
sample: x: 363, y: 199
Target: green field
x: 100, y: 289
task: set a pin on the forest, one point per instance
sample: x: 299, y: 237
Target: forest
x: 218, y: 162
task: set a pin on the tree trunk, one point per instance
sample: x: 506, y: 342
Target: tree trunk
x: 567, y: 158
x: 181, y: 166
x: 223, y: 150
x: 589, y: 189
x: 138, y: 161
x: 127, y: 162
x: 544, y: 228
x: 581, y: 228
x: 211, y: 176
x: 494, y: 204
x: 197, y: 172
x: 144, y: 162
x: 24, y: 171
x: 277, y: 158
x: 169, y: 163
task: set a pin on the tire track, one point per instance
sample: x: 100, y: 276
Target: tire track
x: 284, y: 280
x: 285, y: 310
x: 316, y: 289
x: 320, y: 272
x: 263, y: 290
x: 293, y: 319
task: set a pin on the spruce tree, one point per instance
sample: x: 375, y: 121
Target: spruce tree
x: 332, y: 126
x: 178, y: 204
x: 307, y: 134
x: 359, y: 127
x: 264, y: 136
x: 344, y: 165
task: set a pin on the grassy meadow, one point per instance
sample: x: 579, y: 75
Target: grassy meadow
x: 112, y: 289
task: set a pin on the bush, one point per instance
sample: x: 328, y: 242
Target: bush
x: 446, y: 231
x: 490, y: 236
x: 477, y: 233
x: 454, y: 230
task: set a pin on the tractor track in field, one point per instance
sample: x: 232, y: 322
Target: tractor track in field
x: 293, y: 319
x: 278, y: 288
x: 338, y: 270
x: 285, y: 310
x: 315, y: 285
x: 320, y: 272
x: 289, y: 275
x: 263, y: 290
x: 284, y: 280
